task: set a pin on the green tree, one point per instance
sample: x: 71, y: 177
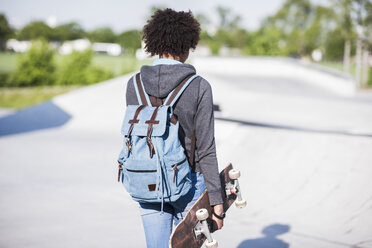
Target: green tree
x: 77, y: 69
x: 203, y: 21
x: 227, y: 20
x: 368, y: 23
x: 321, y: 23
x: 35, y: 30
x: 238, y: 38
x: 343, y: 10
x: 104, y: 34
x: 68, y: 31
x: 264, y: 42
x: 5, y: 31
x: 360, y: 16
x: 334, y: 45
x: 292, y: 20
x: 130, y: 41
x: 74, y: 68
x: 228, y: 31
x: 36, y: 67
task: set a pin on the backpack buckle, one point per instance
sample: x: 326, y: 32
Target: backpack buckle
x: 120, y: 169
x: 129, y: 145
x: 151, y: 146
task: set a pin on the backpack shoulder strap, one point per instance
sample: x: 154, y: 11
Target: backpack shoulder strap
x: 176, y: 93
x: 142, y: 96
x: 171, y: 100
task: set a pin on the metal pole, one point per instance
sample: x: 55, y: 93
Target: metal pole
x: 347, y: 56
x: 365, y: 67
x: 358, y: 62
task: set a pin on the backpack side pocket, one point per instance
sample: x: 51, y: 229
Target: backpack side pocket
x: 179, y: 177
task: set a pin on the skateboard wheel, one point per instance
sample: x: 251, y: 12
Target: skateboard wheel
x: 202, y: 214
x: 234, y: 174
x: 240, y: 203
x: 212, y: 244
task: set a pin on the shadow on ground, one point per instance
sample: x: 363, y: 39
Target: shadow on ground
x: 291, y: 128
x: 269, y: 240
x: 38, y: 117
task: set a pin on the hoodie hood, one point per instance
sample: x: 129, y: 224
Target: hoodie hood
x: 160, y: 80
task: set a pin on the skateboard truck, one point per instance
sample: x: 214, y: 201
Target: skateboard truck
x: 234, y: 188
x: 202, y: 228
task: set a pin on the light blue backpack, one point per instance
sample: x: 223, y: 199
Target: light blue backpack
x: 152, y: 164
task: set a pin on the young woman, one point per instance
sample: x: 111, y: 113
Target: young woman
x: 170, y: 35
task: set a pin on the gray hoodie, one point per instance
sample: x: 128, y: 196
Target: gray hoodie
x: 194, y: 110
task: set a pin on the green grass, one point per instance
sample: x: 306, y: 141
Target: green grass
x: 340, y: 67
x: 118, y: 65
x: 8, y: 62
x: 17, y: 98
x: 337, y: 66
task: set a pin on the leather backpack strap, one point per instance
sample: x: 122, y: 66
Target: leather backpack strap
x: 171, y: 100
x: 155, y: 101
x: 176, y: 93
x: 151, y: 122
x: 132, y: 122
x: 142, y: 96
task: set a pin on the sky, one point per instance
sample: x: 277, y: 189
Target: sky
x: 123, y: 15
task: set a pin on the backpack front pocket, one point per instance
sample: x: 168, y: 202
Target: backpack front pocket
x: 140, y: 180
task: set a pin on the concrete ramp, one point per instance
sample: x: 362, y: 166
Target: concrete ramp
x: 281, y: 68
x: 304, y: 153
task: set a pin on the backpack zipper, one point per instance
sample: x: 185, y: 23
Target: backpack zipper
x: 175, y: 169
x: 140, y: 171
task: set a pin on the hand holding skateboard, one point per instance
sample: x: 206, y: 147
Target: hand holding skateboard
x: 194, y: 230
x: 217, y: 217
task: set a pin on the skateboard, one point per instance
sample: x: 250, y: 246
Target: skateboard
x: 195, y: 229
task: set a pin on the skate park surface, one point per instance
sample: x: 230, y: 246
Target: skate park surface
x: 301, y: 136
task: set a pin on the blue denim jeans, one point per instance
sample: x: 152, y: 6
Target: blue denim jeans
x: 158, y: 226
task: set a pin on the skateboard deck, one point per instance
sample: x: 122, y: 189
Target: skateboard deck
x: 183, y: 235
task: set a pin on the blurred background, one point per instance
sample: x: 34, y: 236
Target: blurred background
x: 291, y: 82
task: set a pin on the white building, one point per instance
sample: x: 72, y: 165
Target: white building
x: 68, y: 47
x: 18, y: 46
x: 112, y: 49
x: 74, y: 45
x: 84, y: 44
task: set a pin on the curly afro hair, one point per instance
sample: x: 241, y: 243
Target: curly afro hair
x: 170, y: 32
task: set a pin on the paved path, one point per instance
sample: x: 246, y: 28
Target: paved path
x: 304, y: 152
